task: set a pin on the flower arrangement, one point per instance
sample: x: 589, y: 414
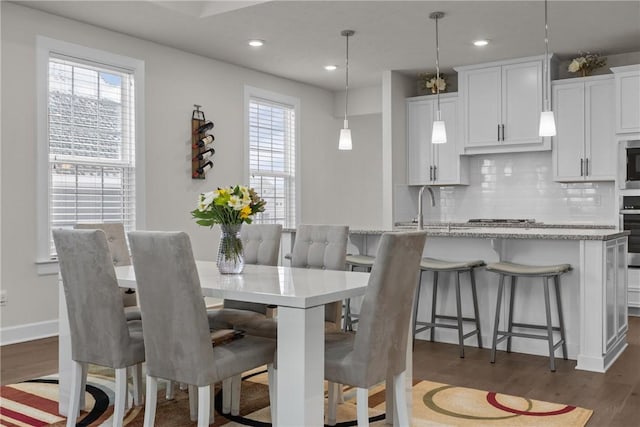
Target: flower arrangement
x: 232, y: 205
x: 431, y: 82
x: 586, y: 63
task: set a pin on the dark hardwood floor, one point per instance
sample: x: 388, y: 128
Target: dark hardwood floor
x: 614, y: 397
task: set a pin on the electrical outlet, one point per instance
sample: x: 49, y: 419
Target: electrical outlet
x: 3, y: 297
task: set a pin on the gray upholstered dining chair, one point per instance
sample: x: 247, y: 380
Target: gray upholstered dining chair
x: 176, y: 328
x: 100, y: 332
x: 325, y: 247
x: 117, y: 242
x: 377, y: 351
x: 261, y: 243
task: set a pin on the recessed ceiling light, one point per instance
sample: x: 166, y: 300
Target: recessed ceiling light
x: 481, y: 43
x: 256, y: 43
x: 330, y: 67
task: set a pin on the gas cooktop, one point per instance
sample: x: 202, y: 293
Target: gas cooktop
x: 501, y: 221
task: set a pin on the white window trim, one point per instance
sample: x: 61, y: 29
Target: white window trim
x: 254, y: 92
x: 44, y: 47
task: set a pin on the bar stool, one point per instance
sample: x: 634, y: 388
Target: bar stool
x: 545, y: 272
x: 355, y: 261
x: 441, y: 266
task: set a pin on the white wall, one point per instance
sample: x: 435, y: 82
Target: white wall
x: 175, y: 80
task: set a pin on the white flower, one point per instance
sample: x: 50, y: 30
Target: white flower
x: 574, y: 66
x: 205, y: 200
x: 441, y: 84
x: 236, y: 203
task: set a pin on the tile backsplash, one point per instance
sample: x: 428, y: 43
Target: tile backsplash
x: 517, y: 186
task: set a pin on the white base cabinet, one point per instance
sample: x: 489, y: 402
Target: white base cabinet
x: 627, y: 98
x: 501, y: 104
x: 434, y: 164
x: 584, y: 148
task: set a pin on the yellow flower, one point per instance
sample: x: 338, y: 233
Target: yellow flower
x: 245, y: 212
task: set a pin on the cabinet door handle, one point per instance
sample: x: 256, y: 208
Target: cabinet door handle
x: 502, y: 126
x: 586, y: 167
x: 498, y: 132
x: 435, y: 173
x: 430, y: 173
x: 581, y: 167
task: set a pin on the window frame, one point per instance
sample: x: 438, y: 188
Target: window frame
x: 254, y: 92
x: 45, y: 48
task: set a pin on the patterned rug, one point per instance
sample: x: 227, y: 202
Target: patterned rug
x: 35, y: 403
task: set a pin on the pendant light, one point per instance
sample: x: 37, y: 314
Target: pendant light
x: 345, y: 133
x: 439, y: 132
x: 547, y: 120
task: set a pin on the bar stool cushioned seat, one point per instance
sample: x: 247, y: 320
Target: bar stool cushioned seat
x: 443, y: 266
x: 521, y: 270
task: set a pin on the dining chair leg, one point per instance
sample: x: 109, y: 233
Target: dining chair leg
x: 236, y: 383
x: 121, y: 397
x: 83, y: 386
x: 400, y: 398
x: 362, y: 403
x: 332, y: 403
x: 459, y: 311
x: 74, y: 397
x: 169, y: 393
x: 193, y: 402
x: 204, y: 401
x: 136, y: 374
x: 340, y: 394
x: 272, y: 374
x: 226, y: 395
x: 150, y: 401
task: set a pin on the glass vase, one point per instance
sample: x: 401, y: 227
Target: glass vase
x: 230, y: 254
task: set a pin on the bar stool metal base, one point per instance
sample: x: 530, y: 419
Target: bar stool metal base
x: 437, y: 266
x: 515, y: 270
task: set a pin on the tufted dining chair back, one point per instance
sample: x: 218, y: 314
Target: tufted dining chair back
x: 322, y: 247
x: 261, y: 246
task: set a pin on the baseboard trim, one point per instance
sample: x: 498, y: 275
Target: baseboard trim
x: 28, y: 332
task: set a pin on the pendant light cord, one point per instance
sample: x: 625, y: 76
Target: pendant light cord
x: 346, y: 91
x: 437, y: 66
x: 546, y: 59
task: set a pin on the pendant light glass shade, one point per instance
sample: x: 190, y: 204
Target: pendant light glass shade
x: 345, y: 137
x: 547, y: 124
x: 344, y: 143
x: 547, y: 119
x: 439, y: 131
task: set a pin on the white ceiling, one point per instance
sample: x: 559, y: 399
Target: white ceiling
x: 303, y: 36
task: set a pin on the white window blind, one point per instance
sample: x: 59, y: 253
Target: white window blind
x: 272, y: 159
x: 91, y: 139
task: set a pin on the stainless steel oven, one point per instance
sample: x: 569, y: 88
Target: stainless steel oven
x: 629, y: 168
x: 630, y: 220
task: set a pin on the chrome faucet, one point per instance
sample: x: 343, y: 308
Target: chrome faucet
x: 433, y: 203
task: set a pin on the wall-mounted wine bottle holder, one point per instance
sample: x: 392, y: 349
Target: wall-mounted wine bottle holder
x: 202, y: 150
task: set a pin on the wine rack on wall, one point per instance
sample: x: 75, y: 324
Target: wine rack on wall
x: 202, y: 150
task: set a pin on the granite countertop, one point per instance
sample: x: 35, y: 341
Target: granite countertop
x: 512, y: 231
x: 504, y: 231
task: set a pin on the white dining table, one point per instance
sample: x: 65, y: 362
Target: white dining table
x: 300, y: 295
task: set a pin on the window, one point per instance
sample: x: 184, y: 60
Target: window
x: 89, y: 142
x: 272, y: 156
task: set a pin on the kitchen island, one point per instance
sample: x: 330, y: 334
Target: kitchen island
x: 594, y: 293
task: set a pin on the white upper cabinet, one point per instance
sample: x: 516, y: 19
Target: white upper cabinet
x: 433, y: 164
x: 501, y: 105
x: 627, y: 98
x: 584, y: 148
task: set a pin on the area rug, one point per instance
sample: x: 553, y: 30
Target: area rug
x: 35, y: 403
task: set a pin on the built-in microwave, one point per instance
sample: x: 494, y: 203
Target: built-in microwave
x: 629, y: 167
